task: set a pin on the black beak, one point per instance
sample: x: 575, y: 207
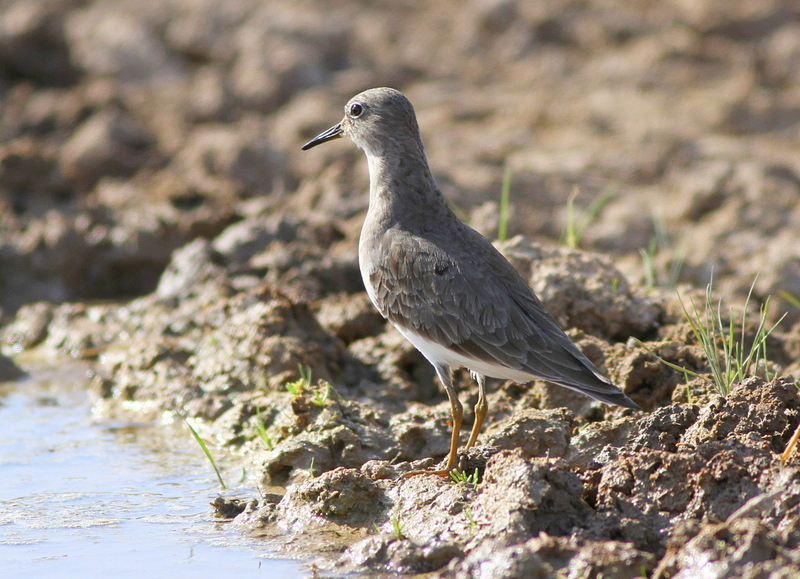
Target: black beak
x: 334, y: 132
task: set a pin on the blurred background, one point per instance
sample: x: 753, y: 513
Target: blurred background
x: 663, y: 133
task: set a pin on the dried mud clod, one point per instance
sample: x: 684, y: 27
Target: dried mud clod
x: 229, y: 508
x: 391, y: 554
x: 545, y: 556
x: 340, y: 496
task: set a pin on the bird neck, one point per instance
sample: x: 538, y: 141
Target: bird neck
x: 402, y: 186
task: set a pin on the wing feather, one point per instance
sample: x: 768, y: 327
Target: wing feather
x: 478, y: 305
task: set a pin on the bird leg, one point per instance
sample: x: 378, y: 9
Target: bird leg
x: 481, y: 409
x: 457, y: 412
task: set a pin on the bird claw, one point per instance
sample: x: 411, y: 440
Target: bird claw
x: 441, y: 473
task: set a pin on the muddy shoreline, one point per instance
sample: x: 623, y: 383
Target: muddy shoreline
x: 158, y: 219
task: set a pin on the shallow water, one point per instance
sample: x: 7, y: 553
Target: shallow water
x: 87, y: 498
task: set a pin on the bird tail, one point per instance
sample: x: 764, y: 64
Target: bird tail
x: 599, y: 388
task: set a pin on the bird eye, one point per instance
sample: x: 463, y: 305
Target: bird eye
x: 356, y: 110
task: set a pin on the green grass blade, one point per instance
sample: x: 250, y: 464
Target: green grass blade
x: 202, y: 444
x: 261, y: 429
x: 505, y: 197
x: 571, y: 234
x: 685, y: 371
x: 794, y: 301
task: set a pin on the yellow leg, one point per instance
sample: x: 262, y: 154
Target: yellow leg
x: 790, y: 447
x: 457, y: 413
x: 481, y: 409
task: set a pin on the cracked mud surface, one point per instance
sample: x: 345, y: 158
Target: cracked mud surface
x: 157, y: 216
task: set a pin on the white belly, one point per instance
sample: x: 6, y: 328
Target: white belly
x: 437, y: 354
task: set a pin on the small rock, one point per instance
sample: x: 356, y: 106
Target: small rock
x: 342, y: 496
x: 105, y: 41
x: 110, y: 143
x: 209, y: 99
x: 190, y: 265
x: 770, y: 409
x: 351, y: 317
x: 727, y: 549
x: 241, y: 241
x: 544, y: 556
x: 279, y: 55
x: 399, y: 555
x: 663, y: 428
x: 229, y: 508
x: 519, y: 497
x: 9, y: 370
x: 587, y: 444
x: 28, y: 329
x: 534, y: 432
x: 32, y: 42
x: 232, y: 159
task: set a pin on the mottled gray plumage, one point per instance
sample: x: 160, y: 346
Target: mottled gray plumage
x: 442, y: 284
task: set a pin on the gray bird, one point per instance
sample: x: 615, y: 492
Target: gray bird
x: 440, y: 282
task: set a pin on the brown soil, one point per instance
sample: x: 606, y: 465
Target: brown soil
x: 156, y: 214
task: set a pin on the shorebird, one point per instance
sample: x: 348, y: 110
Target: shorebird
x: 447, y: 289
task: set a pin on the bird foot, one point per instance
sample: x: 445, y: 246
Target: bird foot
x: 442, y: 473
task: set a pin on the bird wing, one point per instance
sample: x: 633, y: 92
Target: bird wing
x: 478, y: 305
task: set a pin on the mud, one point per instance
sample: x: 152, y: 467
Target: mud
x: 158, y: 219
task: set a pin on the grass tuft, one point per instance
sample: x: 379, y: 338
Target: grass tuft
x: 320, y: 394
x: 473, y: 524
x: 261, y: 429
x: 577, y: 226
x: 460, y: 476
x: 658, y: 243
x: 731, y: 358
x: 396, y: 529
x: 302, y: 384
